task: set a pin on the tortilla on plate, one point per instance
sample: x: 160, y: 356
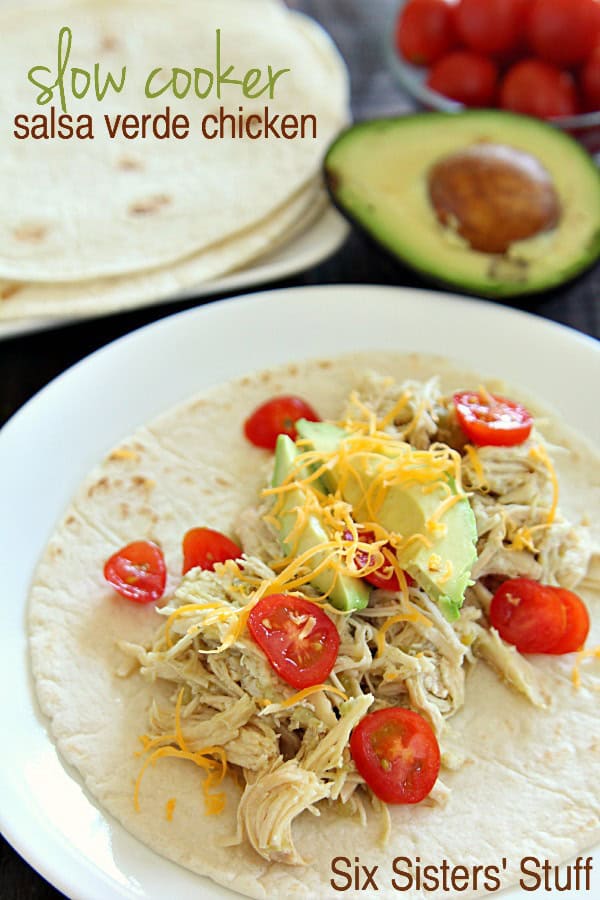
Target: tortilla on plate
x: 520, y: 778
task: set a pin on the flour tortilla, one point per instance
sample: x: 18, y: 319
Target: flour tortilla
x: 531, y: 781
x: 82, y: 209
x: 105, y: 295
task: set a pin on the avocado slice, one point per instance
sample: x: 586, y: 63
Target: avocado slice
x: 324, y: 437
x: 443, y: 570
x: 348, y: 593
x: 379, y: 174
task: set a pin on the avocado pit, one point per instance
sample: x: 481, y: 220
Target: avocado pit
x: 493, y: 195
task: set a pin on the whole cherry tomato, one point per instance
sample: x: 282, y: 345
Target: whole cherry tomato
x: 137, y: 572
x: 425, y: 31
x: 564, y: 32
x: 493, y: 27
x: 396, y: 752
x: 537, y: 88
x: 577, y: 627
x: 466, y: 77
x: 590, y: 80
x: 277, y: 416
x: 529, y: 615
x: 299, y: 640
x: 489, y: 420
x: 204, y: 547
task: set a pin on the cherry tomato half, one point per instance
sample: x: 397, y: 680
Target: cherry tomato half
x: 384, y: 577
x: 491, y: 26
x: 277, y: 416
x: 464, y: 76
x: 529, y: 615
x: 137, y: 572
x: 425, y: 31
x: 564, y: 32
x: 278, y: 623
x: 590, y: 80
x: 396, y: 752
x: 204, y: 547
x: 489, y: 420
x: 578, y: 623
x: 536, y: 88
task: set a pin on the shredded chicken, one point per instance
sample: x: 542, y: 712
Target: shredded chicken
x: 292, y: 754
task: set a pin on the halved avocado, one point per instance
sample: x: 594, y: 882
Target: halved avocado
x: 491, y: 202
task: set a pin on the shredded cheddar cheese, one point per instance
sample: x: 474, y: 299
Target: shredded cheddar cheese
x: 397, y: 408
x: 540, y: 454
x: 306, y: 692
x: 170, y: 808
x: 589, y: 653
x: 215, y: 769
x: 475, y: 461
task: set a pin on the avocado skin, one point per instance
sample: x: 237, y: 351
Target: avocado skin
x: 394, y: 242
x: 409, y: 505
x: 348, y: 593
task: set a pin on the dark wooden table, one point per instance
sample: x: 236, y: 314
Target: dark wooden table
x: 28, y: 363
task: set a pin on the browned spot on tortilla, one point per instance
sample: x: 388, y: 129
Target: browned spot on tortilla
x: 222, y: 481
x: 141, y: 481
x: 187, y: 479
x: 31, y: 232
x: 109, y: 42
x: 265, y: 377
x: 9, y: 290
x: 244, y: 381
x: 70, y: 520
x: 124, y: 508
x: 293, y: 370
x: 55, y: 552
x: 150, y: 514
x: 150, y: 205
x: 325, y: 364
x: 101, y: 484
x: 129, y: 164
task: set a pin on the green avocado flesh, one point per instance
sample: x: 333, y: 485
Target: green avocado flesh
x: 377, y: 175
x: 406, y: 510
x: 348, y: 593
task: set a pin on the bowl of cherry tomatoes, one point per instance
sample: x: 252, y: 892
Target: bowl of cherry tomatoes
x: 535, y: 57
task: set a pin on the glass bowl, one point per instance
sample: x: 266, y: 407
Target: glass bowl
x: 585, y: 127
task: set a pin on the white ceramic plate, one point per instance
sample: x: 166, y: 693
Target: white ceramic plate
x: 317, y: 242
x: 50, y: 445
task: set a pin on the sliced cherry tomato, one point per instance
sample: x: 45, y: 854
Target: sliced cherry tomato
x: 590, y: 80
x: 396, y: 752
x: 384, y: 577
x: 578, y: 623
x: 277, y: 416
x: 536, y: 88
x: 564, y: 32
x: 529, y: 615
x: 138, y: 572
x: 489, y: 420
x: 299, y: 640
x: 466, y: 77
x: 491, y: 26
x: 425, y: 31
x: 204, y: 547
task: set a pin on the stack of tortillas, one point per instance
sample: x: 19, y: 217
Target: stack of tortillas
x: 98, y: 225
